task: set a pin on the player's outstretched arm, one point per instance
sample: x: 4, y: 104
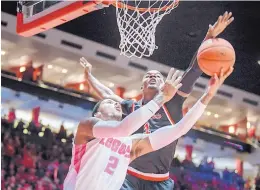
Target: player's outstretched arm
x: 166, y: 135
x: 102, y: 91
x: 97, y: 128
x: 220, y: 25
x: 194, y: 72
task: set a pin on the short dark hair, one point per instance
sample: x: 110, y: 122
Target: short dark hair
x: 96, y: 107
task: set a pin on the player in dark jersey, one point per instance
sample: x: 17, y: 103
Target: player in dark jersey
x: 151, y: 171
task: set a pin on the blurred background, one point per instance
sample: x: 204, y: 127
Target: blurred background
x: 44, y: 95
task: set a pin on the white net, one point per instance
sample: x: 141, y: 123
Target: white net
x: 137, y: 21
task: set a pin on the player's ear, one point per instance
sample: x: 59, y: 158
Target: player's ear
x: 97, y: 115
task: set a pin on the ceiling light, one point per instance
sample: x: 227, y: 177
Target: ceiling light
x: 41, y: 134
x: 25, y: 131
x: 81, y: 86
x: 3, y: 52
x: 50, y: 66
x: 64, y: 71
x: 258, y: 62
x: 248, y: 125
x: 208, y: 113
x: 22, y: 69
x: 111, y: 85
x: 231, y: 129
x: 228, y: 110
x: 216, y: 115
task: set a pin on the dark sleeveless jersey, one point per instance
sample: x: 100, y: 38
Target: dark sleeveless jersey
x: 157, y: 162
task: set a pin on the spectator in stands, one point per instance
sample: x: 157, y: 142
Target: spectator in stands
x: 11, y: 115
x: 62, y: 133
x: 188, y: 164
x: 28, y: 159
x: 2, y: 178
x: 27, y: 166
x: 226, y: 175
x: 28, y: 73
x: 9, y: 149
x: 19, y: 127
x: 32, y: 128
x: 48, y: 134
x: 257, y: 182
x: 62, y: 171
x: 211, y: 164
x: 176, y: 162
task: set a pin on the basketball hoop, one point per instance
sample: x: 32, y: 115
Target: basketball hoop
x: 137, y: 25
x: 136, y: 19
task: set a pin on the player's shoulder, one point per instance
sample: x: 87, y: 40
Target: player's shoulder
x: 138, y: 136
x: 85, y: 126
x: 129, y: 106
x: 127, y: 102
x: 131, y: 103
x: 91, y: 121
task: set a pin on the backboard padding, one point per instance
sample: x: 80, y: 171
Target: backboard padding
x: 55, y: 18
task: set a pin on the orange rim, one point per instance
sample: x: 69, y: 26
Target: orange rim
x: 132, y: 8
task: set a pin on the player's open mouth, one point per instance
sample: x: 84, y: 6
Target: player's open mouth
x: 118, y: 108
x: 152, y: 81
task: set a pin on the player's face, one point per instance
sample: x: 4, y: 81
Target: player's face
x: 110, y: 110
x: 153, y: 80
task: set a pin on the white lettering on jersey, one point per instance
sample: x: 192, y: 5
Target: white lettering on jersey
x: 101, y: 165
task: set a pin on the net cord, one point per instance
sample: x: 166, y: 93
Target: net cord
x: 137, y: 28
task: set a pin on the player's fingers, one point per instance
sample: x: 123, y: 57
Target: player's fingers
x: 175, y: 75
x: 177, y: 81
x: 215, y: 78
x: 210, y: 28
x: 171, y: 72
x: 85, y: 64
x: 220, y: 18
x: 82, y: 59
x: 225, y: 16
x: 230, y: 20
x: 228, y: 16
x: 221, y: 72
x: 230, y: 70
x: 82, y: 64
x: 178, y: 86
x: 85, y: 60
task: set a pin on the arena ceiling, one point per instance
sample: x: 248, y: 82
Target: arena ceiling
x: 180, y: 33
x: 56, y: 61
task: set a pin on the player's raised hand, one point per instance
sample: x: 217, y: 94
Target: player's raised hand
x: 221, y: 24
x: 172, y: 84
x: 85, y: 64
x: 216, y: 81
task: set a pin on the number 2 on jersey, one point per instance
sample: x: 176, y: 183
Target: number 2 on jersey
x: 112, y: 164
x: 147, y: 128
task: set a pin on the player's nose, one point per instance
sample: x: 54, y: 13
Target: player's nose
x: 117, y: 104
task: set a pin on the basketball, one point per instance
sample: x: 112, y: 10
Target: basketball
x: 214, y: 54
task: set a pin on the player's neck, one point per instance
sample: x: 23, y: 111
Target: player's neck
x: 148, y: 97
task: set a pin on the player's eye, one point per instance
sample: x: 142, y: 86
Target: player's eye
x: 109, y: 101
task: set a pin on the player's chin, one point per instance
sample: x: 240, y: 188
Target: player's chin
x: 119, y: 116
x: 153, y: 86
